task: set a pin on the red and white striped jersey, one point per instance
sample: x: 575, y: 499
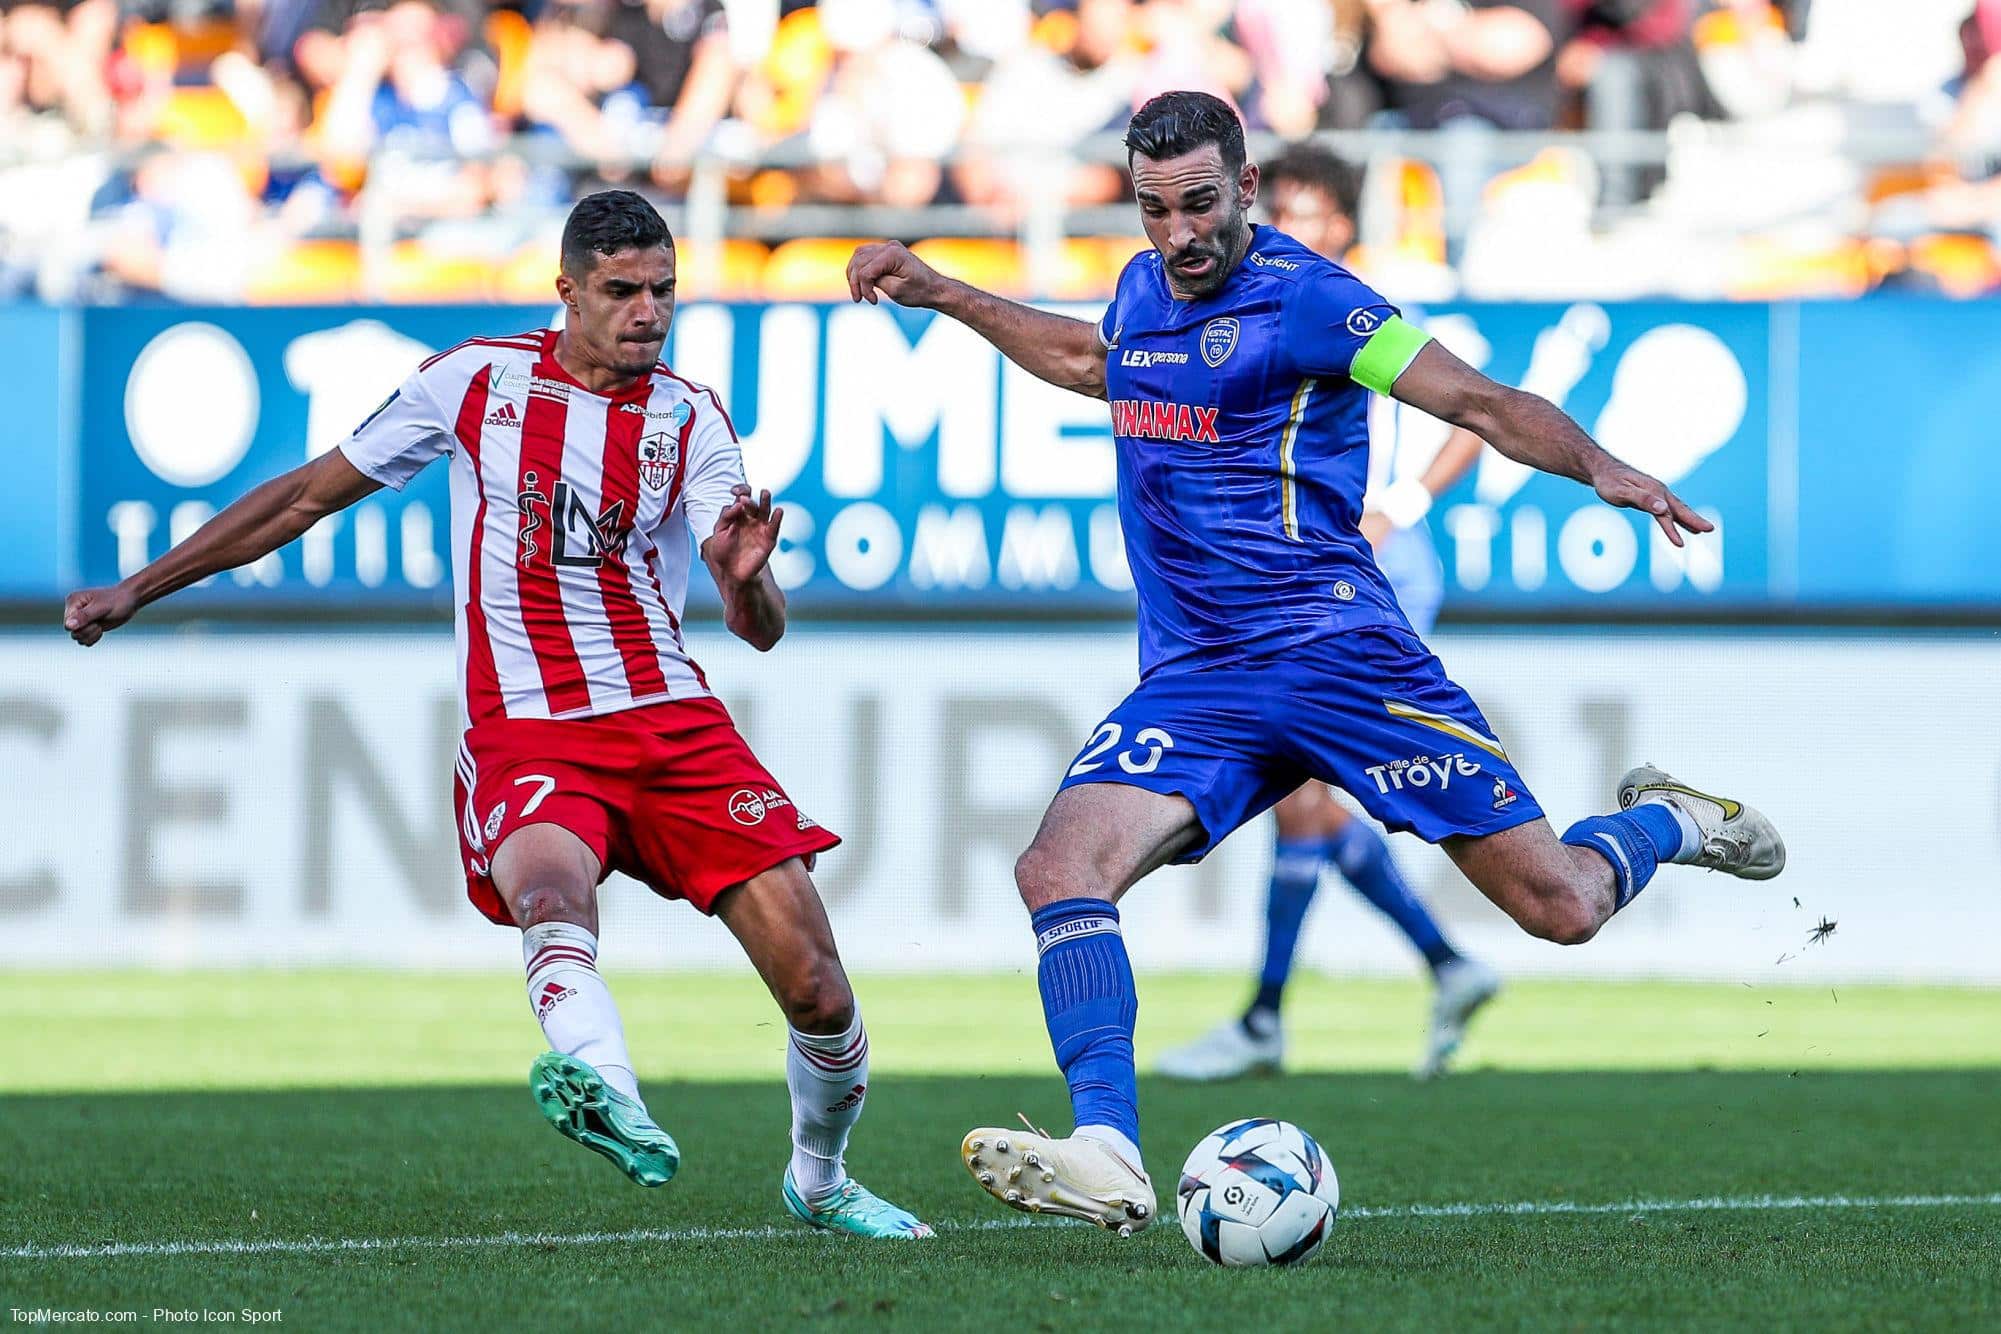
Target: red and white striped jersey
x: 571, y: 514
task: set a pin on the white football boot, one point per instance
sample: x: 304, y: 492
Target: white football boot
x: 1735, y: 839
x: 1463, y: 986
x: 1227, y: 1051
x: 1072, y: 1178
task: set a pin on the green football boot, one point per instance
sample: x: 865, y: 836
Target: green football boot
x: 582, y: 1106
x: 855, y: 1211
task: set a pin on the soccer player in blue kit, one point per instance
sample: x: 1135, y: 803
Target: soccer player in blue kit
x: 1238, y: 366
x: 1311, y: 195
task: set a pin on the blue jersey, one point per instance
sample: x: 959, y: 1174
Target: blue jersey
x: 1243, y: 450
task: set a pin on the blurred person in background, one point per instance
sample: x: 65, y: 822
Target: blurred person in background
x: 1486, y: 61
x: 1465, y: 65
x: 1896, y: 57
x: 181, y: 224
x: 1038, y: 102
x: 891, y: 112
x: 324, y: 30
x: 1311, y: 195
x: 686, y: 75
x: 582, y: 85
x: 1634, y: 67
x: 1188, y: 45
x: 1966, y: 194
x: 1294, y: 51
x: 1747, y: 56
x: 59, y: 51
x: 399, y: 93
x: 1633, y: 63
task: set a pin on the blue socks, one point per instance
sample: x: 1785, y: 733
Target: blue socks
x: 1295, y: 875
x: 1090, y: 1004
x: 1635, y: 842
x: 1364, y: 858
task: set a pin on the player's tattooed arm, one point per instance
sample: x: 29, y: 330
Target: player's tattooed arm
x: 738, y: 555
x: 1066, y: 352
x: 1530, y: 429
x: 249, y: 528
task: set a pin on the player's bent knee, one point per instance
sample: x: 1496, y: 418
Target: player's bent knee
x: 819, y: 999
x: 1561, y: 915
x: 551, y: 901
x: 1044, y: 877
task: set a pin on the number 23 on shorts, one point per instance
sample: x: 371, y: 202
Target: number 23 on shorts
x: 1142, y: 757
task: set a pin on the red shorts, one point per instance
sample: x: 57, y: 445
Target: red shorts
x: 668, y: 794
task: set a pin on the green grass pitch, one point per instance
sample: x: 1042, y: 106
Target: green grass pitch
x: 359, y: 1151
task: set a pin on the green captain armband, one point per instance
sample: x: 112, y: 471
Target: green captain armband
x: 1387, y: 354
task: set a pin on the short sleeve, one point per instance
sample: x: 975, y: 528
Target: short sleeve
x: 1330, y: 317
x: 1113, y: 324
x: 714, y: 466
x: 396, y: 441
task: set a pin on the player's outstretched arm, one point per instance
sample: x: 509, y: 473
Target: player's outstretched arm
x: 738, y: 555
x: 1530, y: 429
x: 248, y: 529
x: 1055, y: 348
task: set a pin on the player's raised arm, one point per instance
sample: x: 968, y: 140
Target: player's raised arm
x: 1055, y: 348
x: 738, y: 555
x: 1530, y: 429
x: 248, y: 529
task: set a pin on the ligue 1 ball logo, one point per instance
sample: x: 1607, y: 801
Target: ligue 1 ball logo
x: 656, y: 460
x: 1219, y: 340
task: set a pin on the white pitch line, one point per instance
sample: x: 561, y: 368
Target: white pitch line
x: 1530, y: 1208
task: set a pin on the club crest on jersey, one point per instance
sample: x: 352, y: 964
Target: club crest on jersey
x: 493, y: 821
x: 1219, y: 340
x: 749, y: 806
x: 656, y: 460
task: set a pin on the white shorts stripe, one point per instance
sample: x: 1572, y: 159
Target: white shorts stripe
x: 1076, y: 929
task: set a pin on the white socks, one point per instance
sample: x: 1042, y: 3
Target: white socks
x: 1691, y: 832
x: 1114, y: 1139
x: 573, y: 1004
x: 828, y: 1079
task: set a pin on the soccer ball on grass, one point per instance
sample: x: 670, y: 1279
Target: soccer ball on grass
x: 1258, y: 1192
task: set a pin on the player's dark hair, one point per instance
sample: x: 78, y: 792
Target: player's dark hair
x: 1181, y: 122
x: 606, y: 223
x: 1320, y: 169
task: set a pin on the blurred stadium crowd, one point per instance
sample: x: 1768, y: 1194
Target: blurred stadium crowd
x: 307, y: 150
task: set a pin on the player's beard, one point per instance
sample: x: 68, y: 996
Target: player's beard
x: 1226, y: 247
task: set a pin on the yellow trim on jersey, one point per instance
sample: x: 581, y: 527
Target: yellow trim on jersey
x: 1288, y: 501
x: 1451, y: 727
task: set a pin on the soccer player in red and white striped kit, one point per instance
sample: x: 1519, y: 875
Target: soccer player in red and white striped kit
x: 580, y: 464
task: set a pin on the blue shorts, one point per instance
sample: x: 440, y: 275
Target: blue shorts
x: 1369, y: 710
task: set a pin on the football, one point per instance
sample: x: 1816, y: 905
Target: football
x: 1258, y: 1192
